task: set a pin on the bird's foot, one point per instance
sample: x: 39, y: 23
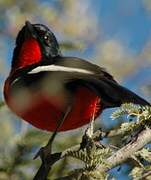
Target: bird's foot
x: 91, y: 138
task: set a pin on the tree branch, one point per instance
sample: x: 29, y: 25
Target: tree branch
x: 120, y: 156
x: 143, y: 138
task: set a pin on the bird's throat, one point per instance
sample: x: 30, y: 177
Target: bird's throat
x: 30, y: 53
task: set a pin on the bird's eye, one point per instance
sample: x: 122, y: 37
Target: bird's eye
x: 46, y: 38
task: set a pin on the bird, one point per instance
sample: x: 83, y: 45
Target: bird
x: 57, y: 93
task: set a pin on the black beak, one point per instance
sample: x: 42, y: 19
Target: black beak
x: 29, y: 30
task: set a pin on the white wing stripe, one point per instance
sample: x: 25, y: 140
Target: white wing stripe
x: 59, y: 68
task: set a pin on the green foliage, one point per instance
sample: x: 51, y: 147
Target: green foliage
x: 143, y: 171
x: 92, y: 157
x: 137, y: 172
x: 144, y: 153
x: 2, y: 104
x: 81, y: 174
x: 143, y: 119
x: 142, y: 114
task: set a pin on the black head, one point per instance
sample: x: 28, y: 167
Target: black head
x: 45, y: 38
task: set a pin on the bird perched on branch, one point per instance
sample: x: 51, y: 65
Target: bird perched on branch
x: 57, y: 93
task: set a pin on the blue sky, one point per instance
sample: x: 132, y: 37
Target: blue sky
x: 127, y: 20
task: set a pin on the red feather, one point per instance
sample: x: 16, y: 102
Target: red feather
x: 30, y: 53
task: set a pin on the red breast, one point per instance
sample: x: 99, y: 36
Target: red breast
x: 44, y: 113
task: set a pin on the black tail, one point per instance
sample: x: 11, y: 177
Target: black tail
x: 123, y: 95
x: 111, y: 93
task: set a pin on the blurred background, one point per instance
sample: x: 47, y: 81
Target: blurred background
x: 114, y: 34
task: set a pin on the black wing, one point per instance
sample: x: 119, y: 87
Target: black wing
x: 75, y: 72
x: 102, y: 83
